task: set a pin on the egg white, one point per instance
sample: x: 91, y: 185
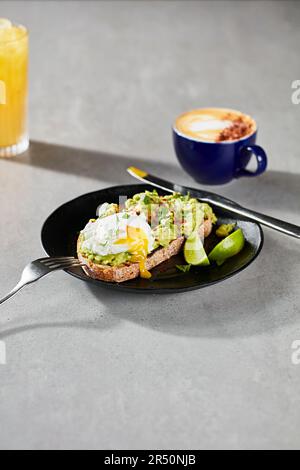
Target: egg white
x: 100, y: 237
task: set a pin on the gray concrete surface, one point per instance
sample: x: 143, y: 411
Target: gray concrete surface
x: 87, y: 368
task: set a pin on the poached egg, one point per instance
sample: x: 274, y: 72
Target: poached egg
x: 119, y: 233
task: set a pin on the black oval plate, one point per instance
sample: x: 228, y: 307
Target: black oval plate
x: 61, y: 230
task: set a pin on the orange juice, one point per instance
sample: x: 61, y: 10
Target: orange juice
x: 13, y: 88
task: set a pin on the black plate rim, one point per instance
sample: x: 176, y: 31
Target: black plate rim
x: 124, y: 288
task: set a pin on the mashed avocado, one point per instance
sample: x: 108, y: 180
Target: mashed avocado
x: 169, y: 217
x: 164, y: 233
x: 224, y: 230
x: 107, y: 209
x: 109, y: 260
x: 208, y: 212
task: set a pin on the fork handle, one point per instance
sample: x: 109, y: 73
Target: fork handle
x: 13, y: 292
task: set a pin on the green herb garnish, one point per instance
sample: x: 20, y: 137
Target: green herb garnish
x: 183, y: 267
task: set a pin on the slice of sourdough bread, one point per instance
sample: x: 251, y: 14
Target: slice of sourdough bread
x: 129, y: 270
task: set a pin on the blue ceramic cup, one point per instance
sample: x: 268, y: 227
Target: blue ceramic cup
x: 211, y: 162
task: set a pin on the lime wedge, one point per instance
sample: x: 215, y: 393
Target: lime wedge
x: 194, y: 252
x: 228, y: 247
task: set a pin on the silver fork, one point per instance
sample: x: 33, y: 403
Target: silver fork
x: 39, y: 268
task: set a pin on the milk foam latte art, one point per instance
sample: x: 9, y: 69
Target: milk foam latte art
x: 215, y: 124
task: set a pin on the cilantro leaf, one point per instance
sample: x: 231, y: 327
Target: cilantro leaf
x: 183, y: 267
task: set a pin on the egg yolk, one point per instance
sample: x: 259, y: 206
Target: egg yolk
x: 137, y: 243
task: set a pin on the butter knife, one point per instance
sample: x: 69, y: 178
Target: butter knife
x: 217, y: 201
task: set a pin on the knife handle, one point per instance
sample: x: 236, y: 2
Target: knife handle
x: 271, y: 222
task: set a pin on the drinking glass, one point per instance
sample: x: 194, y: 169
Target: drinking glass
x: 13, y: 88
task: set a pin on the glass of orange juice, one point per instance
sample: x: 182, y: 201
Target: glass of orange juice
x: 13, y: 88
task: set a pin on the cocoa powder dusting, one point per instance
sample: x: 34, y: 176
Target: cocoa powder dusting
x: 237, y: 130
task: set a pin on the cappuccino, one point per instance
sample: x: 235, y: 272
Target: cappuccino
x: 215, y: 125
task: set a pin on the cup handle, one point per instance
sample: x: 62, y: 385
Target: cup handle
x: 261, y: 159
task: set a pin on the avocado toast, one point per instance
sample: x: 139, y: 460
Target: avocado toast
x: 129, y: 240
